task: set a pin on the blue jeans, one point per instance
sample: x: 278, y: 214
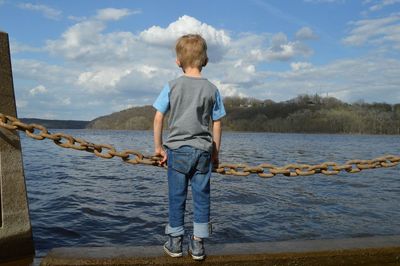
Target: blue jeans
x: 189, y: 164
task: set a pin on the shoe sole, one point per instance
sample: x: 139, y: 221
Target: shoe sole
x: 171, y: 254
x: 202, y: 257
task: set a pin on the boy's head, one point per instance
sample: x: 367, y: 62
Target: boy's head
x: 191, y: 51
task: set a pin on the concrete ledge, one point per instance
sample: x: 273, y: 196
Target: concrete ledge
x: 355, y: 251
x: 21, y: 262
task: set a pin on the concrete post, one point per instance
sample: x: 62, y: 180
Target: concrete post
x: 15, y: 227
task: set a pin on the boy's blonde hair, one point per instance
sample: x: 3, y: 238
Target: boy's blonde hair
x: 191, y: 51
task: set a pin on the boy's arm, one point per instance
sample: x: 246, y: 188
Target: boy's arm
x: 217, y: 132
x: 158, y: 128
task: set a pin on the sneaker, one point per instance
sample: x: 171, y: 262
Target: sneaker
x: 196, y: 249
x: 173, y: 247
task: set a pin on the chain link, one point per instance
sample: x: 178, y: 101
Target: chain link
x: 264, y: 170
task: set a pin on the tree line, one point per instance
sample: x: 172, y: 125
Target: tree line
x: 303, y: 114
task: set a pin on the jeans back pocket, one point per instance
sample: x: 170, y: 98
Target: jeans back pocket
x: 203, y: 163
x: 180, y: 161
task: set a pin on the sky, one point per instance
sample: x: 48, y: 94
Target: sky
x: 78, y: 60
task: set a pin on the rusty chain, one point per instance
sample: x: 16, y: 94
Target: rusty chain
x: 264, y: 170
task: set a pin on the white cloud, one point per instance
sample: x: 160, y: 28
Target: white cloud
x: 370, y: 78
x: 228, y: 89
x: 217, y: 40
x: 78, y: 19
x: 124, y: 63
x: 48, y: 116
x: 114, y: 13
x: 241, y: 72
x: 21, y: 103
x: 78, y: 41
x: 86, y: 41
x: 17, y: 47
x: 119, y: 107
x: 379, y: 31
x: 37, y: 71
x: 306, y: 33
x: 40, y: 89
x: 382, y: 4
x: 281, y: 49
x: 47, y: 11
x: 133, y: 67
x: 248, y: 69
x: 103, y: 80
x: 148, y: 71
x: 65, y: 101
x: 297, y: 66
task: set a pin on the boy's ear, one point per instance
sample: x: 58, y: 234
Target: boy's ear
x: 205, y: 62
x: 178, y: 62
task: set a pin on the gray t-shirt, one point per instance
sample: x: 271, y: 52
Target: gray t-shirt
x: 193, y: 103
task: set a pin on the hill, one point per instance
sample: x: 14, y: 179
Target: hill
x: 312, y: 114
x: 138, y: 118
x: 303, y: 114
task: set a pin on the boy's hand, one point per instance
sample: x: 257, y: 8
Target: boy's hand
x: 215, y: 159
x: 161, y: 153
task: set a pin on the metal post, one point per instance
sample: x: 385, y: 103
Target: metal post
x: 15, y: 227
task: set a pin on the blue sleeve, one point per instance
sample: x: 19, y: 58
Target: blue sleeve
x: 162, y: 101
x: 218, y: 109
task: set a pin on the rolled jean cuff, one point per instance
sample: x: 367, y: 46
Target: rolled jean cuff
x: 202, y: 230
x: 174, y: 231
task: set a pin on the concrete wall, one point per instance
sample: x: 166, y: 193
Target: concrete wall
x: 15, y: 227
x: 367, y: 251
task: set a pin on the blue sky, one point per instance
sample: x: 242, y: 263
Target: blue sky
x: 83, y: 59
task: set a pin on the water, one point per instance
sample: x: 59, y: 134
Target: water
x: 77, y: 199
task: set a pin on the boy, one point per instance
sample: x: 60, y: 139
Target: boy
x: 196, y: 108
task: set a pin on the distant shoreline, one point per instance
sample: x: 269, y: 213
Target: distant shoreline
x: 311, y: 114
x: 224, y: 131
x: 57, y: 124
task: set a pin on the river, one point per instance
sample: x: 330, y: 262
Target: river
x: 78, y: 199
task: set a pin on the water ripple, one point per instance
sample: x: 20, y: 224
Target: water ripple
x: 77, y: 199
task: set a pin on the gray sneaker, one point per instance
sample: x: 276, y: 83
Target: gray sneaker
x: 173, y: 247
x: 196, y: 249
